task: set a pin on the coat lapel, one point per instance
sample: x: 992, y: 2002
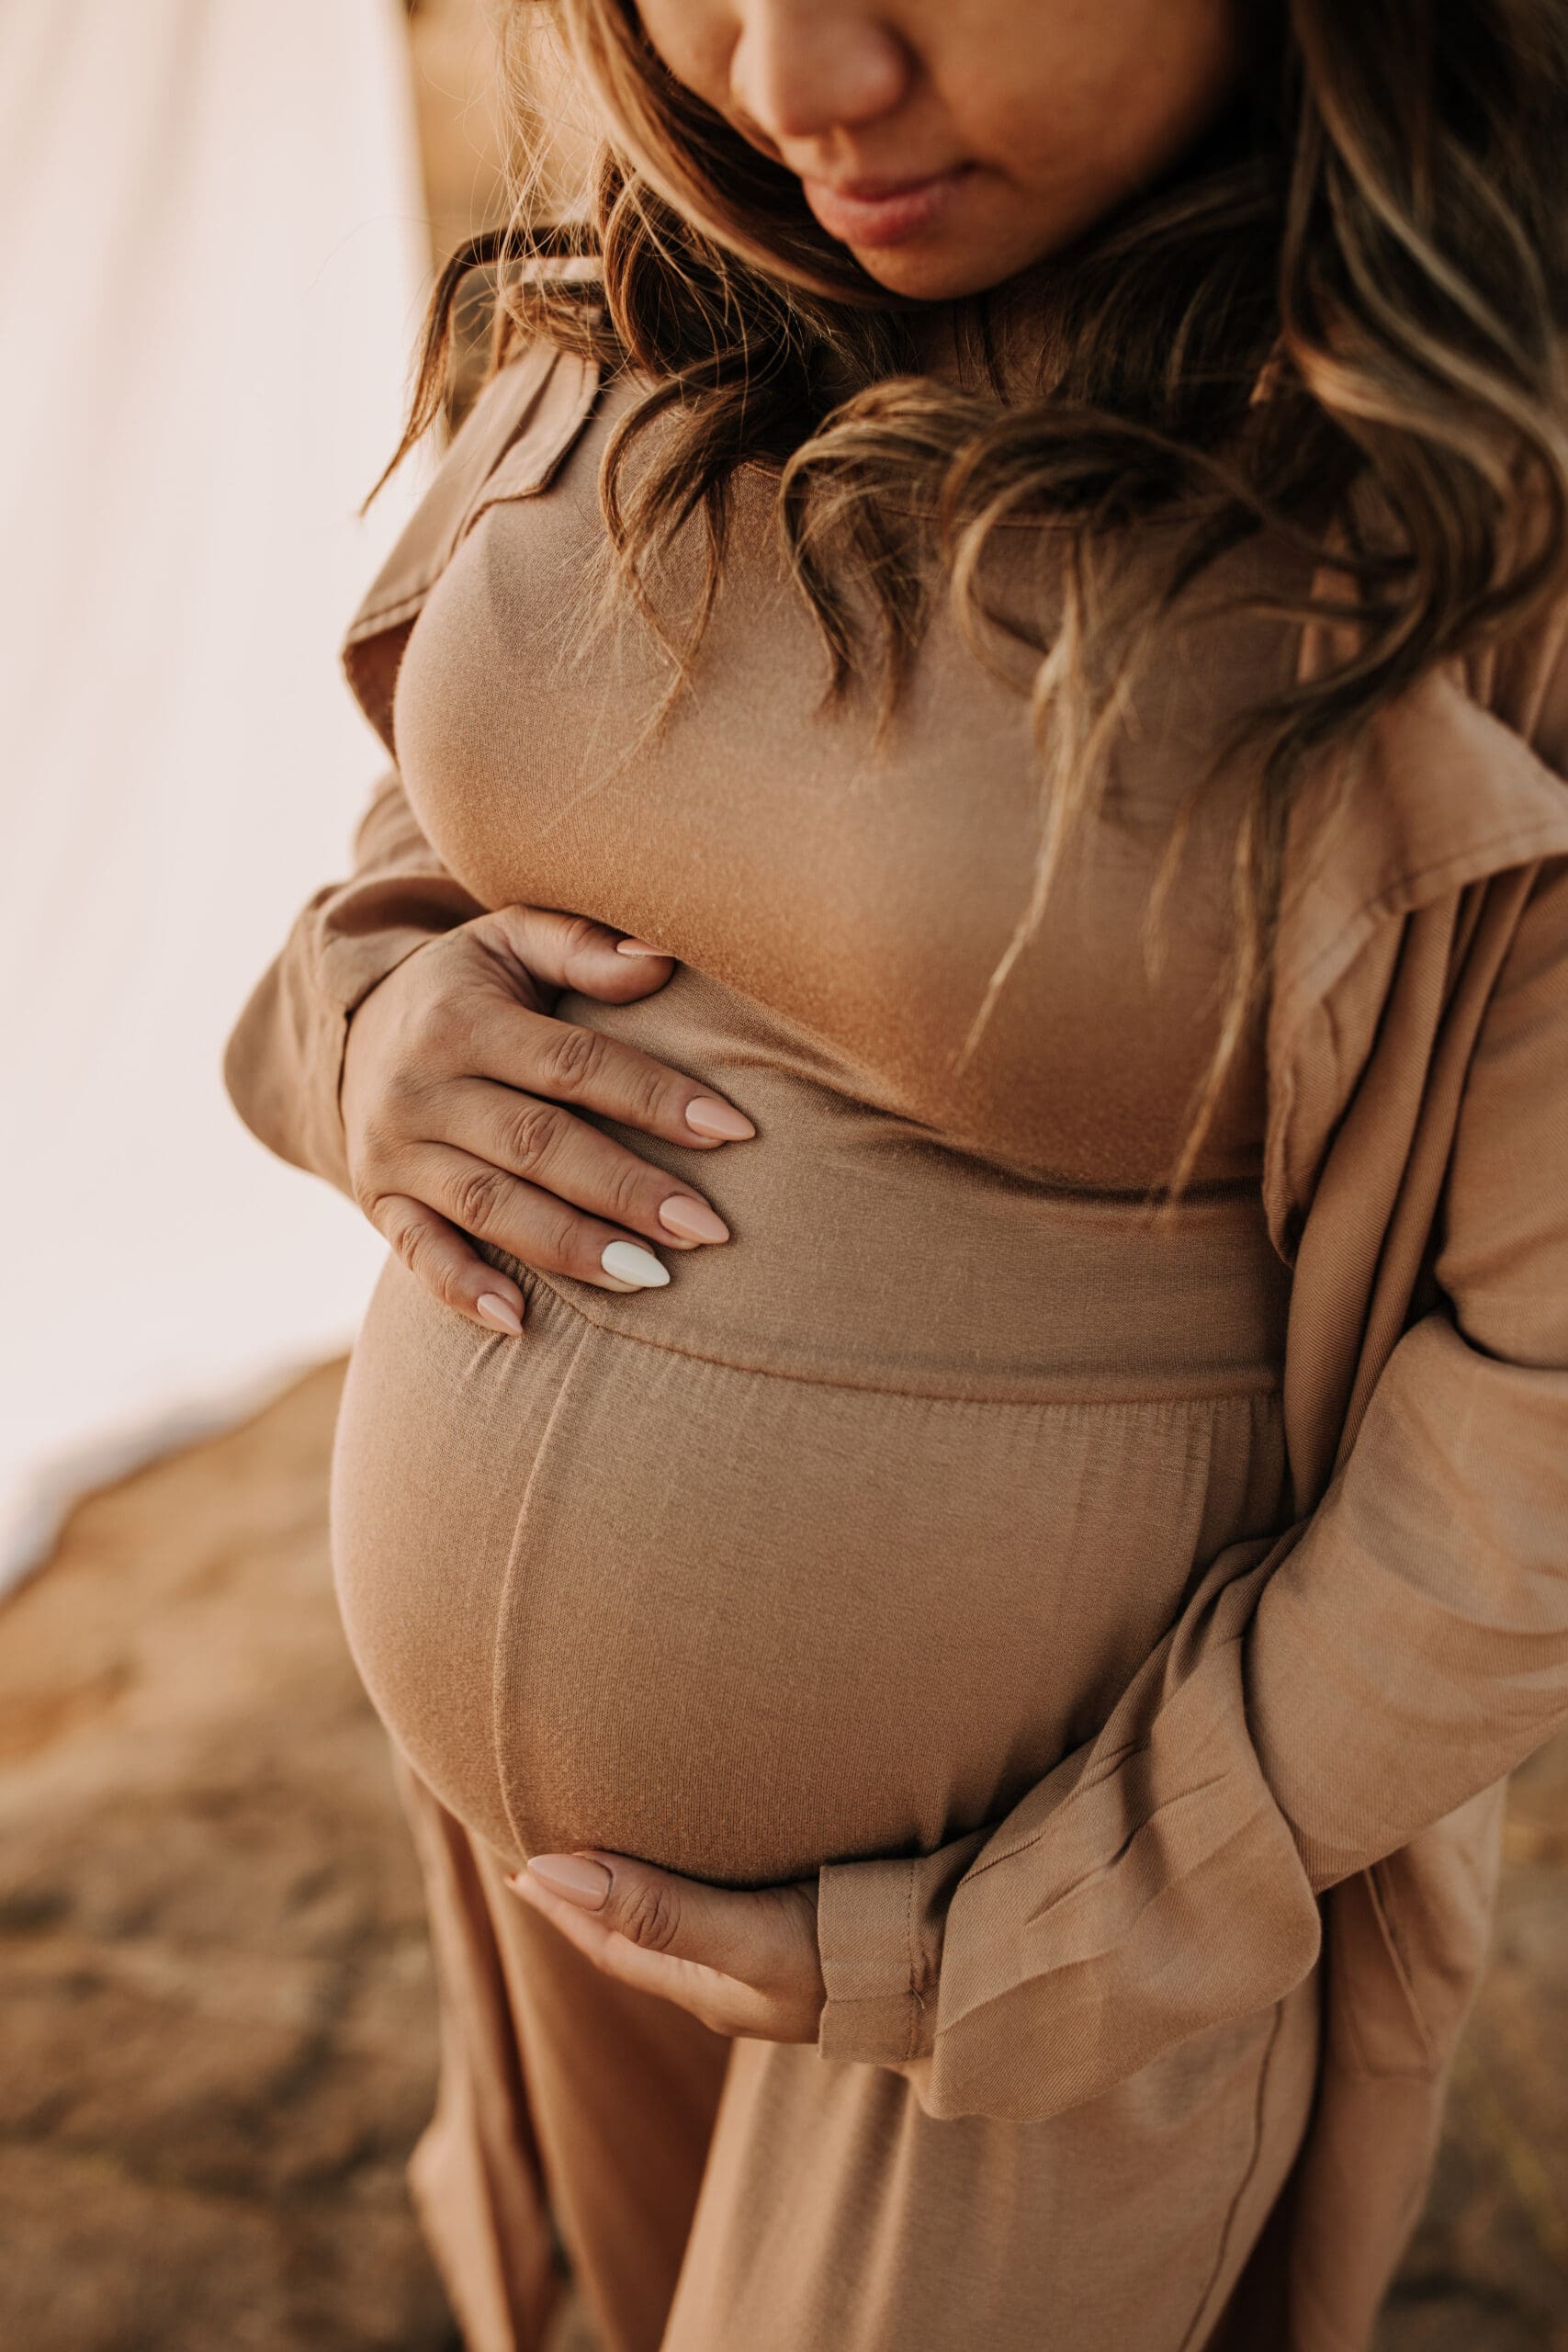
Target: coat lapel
x: 1395, y: 926
x: 1448, y: 796
x: 510, y: 445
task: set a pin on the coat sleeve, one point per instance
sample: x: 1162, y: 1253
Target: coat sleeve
x: 283, y: 1064
x: 1329, y: 1693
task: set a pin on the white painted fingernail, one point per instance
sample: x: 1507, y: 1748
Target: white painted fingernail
x: 630, y: 1264
x: 499, y: 1311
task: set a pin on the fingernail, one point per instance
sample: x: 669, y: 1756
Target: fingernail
x: 630, y: 1264
x: 498, y: 1311
x: 709, y: 1118
x: 693, y: 1220
x: 580, y: 1882
x: 637, y: 947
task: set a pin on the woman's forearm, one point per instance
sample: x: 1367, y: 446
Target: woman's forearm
x: 283, y: 1064
x: 1324, y: 1698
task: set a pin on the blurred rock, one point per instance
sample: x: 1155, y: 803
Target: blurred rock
x: 468, y: 59
x: 216, y: 2017
x: 460, y: 115
x: 1488, y: 2268
x: 469, y: 149
x: 217, y: 2031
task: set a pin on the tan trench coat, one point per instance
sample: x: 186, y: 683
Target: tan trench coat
x: 1312, y: 1763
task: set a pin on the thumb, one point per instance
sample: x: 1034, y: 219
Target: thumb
x: 566, y: 951
x: 733, y: 1930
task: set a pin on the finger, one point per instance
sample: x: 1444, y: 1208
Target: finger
x: 538, y: 1054
x: 535, y: 1227
x: 569, y: 951
x: 686, y: 1980
x: 550, y: 1146
x: 442, y: 1260
x: 733, y: 1931
x: 721, y: 2002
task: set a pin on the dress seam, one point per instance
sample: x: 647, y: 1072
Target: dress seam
x: 1264, y: 1380
x: 508, y: 1582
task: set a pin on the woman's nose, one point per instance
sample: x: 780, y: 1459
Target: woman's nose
x: 801, y: 71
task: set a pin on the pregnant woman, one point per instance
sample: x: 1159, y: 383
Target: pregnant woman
x: 956, y: 1009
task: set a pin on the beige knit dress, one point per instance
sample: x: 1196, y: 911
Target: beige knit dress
x: 836, y: 1548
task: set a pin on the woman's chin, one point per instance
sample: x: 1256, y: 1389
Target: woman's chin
x: 945, y: 268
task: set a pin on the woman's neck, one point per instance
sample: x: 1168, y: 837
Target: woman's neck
x: 934, y: 332
x: 992, y: 346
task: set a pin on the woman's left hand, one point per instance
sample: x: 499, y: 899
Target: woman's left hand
x: 742, y: 1963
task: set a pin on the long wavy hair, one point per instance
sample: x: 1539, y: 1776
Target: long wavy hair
x: 1337, y: 321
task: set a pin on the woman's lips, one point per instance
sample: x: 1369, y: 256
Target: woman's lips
x: 882, y: 212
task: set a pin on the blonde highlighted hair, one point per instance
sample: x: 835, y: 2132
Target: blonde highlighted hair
x: 1371, y: 235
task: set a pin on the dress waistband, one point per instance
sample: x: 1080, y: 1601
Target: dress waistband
x: 935, y: 1277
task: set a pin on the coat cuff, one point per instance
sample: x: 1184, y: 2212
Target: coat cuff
x: 879, y: 1938
x: 342, y: 992
x: 876, y: 2009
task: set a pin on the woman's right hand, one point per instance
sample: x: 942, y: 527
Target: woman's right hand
x: 456, y: 1080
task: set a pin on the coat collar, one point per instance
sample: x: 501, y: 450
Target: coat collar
x: 1448, y: 795
x: 509, y: 446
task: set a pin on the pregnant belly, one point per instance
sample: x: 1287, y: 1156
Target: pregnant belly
x: 606, y: 1591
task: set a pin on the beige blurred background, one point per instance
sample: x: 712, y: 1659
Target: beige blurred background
x: 216, y: 2023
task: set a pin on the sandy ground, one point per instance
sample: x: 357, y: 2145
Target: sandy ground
x: 217, y: 2017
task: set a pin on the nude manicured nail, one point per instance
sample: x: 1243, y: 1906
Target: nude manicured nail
x: 711, y: 1117
x: 498, y: 1311
x: 629, y: 1264
x: 580, y: 1882
x: 693, y: 1220
x: 637, y: 947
